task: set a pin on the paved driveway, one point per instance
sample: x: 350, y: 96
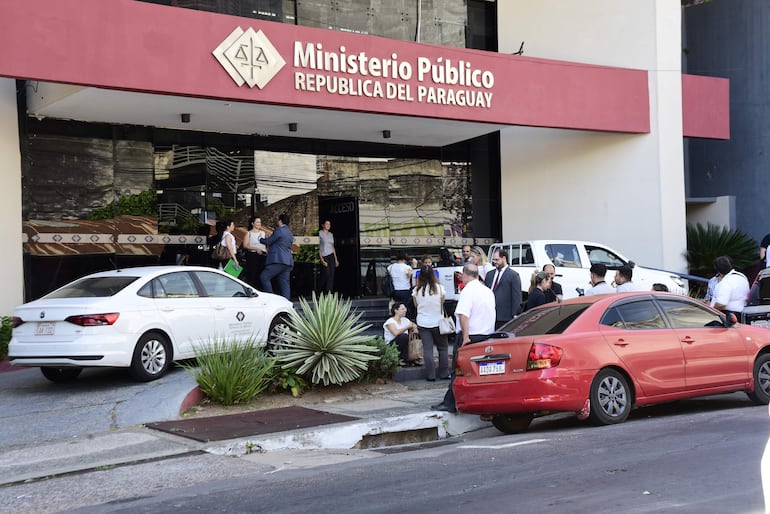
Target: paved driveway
x: 33, y: 409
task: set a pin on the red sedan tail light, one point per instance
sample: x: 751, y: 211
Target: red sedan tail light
x: 543, y: 356
x: 94, y: 320
x: 16, y: 321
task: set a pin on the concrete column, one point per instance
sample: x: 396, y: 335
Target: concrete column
x: 624, y: 190
x: 11, y: 271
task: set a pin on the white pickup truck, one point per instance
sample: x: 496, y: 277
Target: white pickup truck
x: 572, y: 260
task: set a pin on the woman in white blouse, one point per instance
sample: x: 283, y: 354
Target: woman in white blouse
x: 228, y: 240
x: 255, y: 251
x: 428, y: 297
x: 396, y: 330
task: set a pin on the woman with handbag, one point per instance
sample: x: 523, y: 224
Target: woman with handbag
x: 228, y: 241
x: 428, y: 297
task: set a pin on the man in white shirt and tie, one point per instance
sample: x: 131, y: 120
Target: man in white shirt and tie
x: 505, y: 283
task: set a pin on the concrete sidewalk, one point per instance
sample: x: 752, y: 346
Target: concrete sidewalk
x: 383, y: 421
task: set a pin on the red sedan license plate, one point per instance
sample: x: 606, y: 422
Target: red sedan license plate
x: 492, y: 368
x: 44, y: 328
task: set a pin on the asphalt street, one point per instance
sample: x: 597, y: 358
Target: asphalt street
x: 33, y: 409
x: 691, y: 456
x: 695, y: 457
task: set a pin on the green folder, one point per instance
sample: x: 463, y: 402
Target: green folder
x: 232, y: 269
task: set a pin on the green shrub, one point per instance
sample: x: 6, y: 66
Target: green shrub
x: 324, y: 343
x: 387, y: 365
x: 288, y: 380
x: 230, y: 372
x: 5, y: 336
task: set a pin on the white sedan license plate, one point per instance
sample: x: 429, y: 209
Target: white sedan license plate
x: 492, y: 368
x: 761, y: 323
x: 44, y: 328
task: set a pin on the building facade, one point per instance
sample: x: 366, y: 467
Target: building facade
x: 415, y: 126
x: 727, y: 180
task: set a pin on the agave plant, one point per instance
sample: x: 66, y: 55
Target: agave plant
x: 704, y: 244
x: 324, y: 342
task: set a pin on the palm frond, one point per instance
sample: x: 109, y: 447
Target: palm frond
x: 704, y: 244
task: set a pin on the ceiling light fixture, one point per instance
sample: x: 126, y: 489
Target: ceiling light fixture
x: 292, y: 127
x: 386, y: 134
x: 185, y: 117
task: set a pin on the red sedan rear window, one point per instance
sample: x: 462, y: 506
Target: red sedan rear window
x: 545, y: 320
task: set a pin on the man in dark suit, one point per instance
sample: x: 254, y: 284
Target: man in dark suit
x: 505, y: 283
x: 279, y: 262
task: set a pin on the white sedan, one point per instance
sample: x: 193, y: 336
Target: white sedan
x: 140, y: 318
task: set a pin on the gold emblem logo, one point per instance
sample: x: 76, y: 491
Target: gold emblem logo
x: 249, y: 57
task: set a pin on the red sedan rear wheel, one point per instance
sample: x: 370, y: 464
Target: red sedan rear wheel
x: 610, y: 398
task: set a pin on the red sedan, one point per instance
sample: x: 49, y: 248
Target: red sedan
x: 600, y: 356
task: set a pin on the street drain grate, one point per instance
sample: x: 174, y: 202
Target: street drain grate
x: 221, y: 428
x: 374, y: 441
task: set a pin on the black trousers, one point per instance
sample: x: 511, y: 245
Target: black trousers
x: 326, y: 280
x: 402, y: 343
x: 255, y: 263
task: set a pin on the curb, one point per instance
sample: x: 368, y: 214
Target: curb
x: 348, y: 436
x: 194, y: 397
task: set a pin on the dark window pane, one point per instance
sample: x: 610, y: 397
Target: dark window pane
x: 640, y: 315
x: 563, y: 255
x: 219, y: 286
x: 612, y: 319
x: 549, y: 320
x: 92, y: 287
x: 176, y: 285
x: 603, y: 256
x: 688, y: 315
